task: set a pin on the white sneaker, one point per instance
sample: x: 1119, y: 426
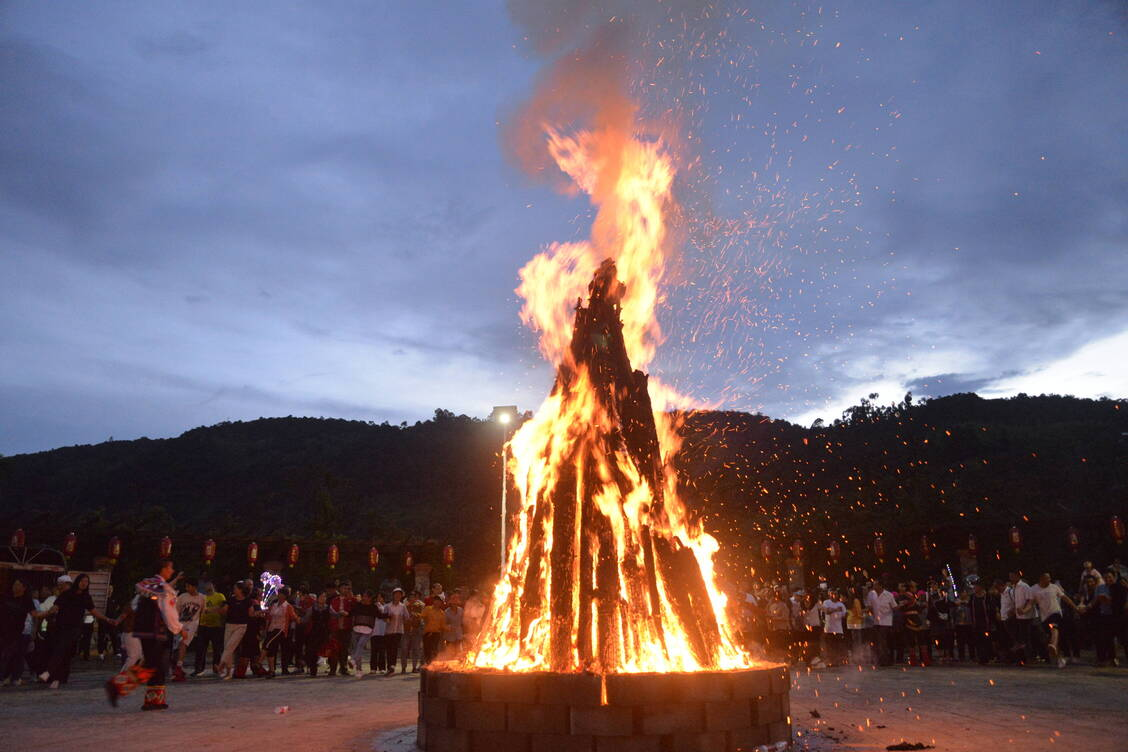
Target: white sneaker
x: 352, y: 666
x: 1061, y: 662
x: 45, y: 676
x: 5, y: 683
x: 359, y: 673
x: 55, y: 684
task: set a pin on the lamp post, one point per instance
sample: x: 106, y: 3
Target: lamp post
x: 504, y: 415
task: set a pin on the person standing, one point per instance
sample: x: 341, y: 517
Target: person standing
x: 302, y: 604
x: 1023, y: 616
x: 834, y: 613
x: 317, y: 632
x: 379, y: 645
x: 69, y: 609
x: 189, y: 605
x: 452, y: 635
x: 881, y: 603
x: 210, y: 630
x: 397, y: 617
x: 413, y: 634
x: 981, y: 615
x: 1106, y: 621
x: 17, y: 620
x: 155, y: 622
x: 856, y: 624
x: 365, y: 616
x: 341, y: 606
x: 237, y: 614
x: 434, y: 623
x: 280, y: 619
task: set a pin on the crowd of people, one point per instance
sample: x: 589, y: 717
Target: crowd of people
x: 241, y: 634
x: 904, y: 622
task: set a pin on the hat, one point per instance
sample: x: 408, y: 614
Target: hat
x: 63, y: 578
x: 397, y: 590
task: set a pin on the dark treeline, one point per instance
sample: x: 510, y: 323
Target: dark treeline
x: 941, y: 468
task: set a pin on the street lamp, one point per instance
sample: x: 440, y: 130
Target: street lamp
x: 504, y: 415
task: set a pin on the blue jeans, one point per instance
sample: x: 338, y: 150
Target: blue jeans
x: 356, y: 647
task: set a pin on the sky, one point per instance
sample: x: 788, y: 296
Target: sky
x: 220, y: 212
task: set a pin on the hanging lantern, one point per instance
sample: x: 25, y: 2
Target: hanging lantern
x: 925, y: 546
x: 1116, y: 526
x: 797, y: 549
x: 18, y: 539
x: 373, y: 558
x: 113, y: 550
x: 292, y: 555
x: 765, y: 549
x: 879, y: 547
x: 448, y: 555
x: 165, y: 547
x: 972, y: 544
x: 333, y: 556
x: 835, y: 550
x: 408, y: 561
x: 252, y: 554
x: 70, y: 544
x: 1014, y: 535
x: 1073, y: 539
x: 209, y: 552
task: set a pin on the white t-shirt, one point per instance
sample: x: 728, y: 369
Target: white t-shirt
x: 380, y: 628
x: 397, y: 617
x: 1048, y: 599
x: 189, y: 607
x: 1006, y: 603
x: 812, y: 617
x: 834, y: 612
x: 882, y: 607
x: 1022, y: 599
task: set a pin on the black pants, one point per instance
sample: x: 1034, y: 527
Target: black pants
x: 431, y: 643
x: 206, y: 636
x: 340, y: 659
x: 156, y: 653
x: 964, y: 642
x: 884, y: 656
x: 982, y: 646
x: 1105, y: 637
x: 62, y: 652
x: 391, y: 648
x: 298, y: 636
x: 378, y: 646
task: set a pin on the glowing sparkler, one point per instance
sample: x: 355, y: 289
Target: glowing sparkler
x: 271, y: 584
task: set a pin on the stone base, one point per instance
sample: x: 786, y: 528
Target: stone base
x: 710, y: 711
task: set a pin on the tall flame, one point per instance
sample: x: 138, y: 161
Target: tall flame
x: 605, y: 570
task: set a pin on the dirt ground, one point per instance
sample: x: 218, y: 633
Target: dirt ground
x: 954, y: 709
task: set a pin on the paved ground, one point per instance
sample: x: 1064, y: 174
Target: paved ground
x: 954, y: 709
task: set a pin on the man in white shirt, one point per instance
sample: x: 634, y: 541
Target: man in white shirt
x: 189, y: 606
x: 1023, y: 617
x: 881, y: 604
x: 1048, y: 595
x: 834, y: 613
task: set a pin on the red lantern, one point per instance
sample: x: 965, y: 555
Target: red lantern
x: 113, y: 550
x: 166, y: 547
x: 765, y: 549
x: 408, y: 561
x: 252, y: 555
x: 925, y: 546
x: 70, y: 543
x: 797, y: 549
x: 333, y: 556
x: 1116, y: 526
x: 1014, y: 535
x: 209, y: 552
x: 879, y: 546
x: 293, y: 554
x: 1073, y: 539
x: 448, y: 555
x: 18, y: 539
x: 972, y: 544
x: 835, y: 550
x: 373, y: 558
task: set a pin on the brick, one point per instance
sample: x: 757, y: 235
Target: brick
x: 605, y: 720
x: 642, y: 689
x: 747, y: 740
x: 561, y: 743
x: 479, y: 716
x: 678, y: 718
x: 570, y: 689
x: 781, y: 681
x: 708, y: 741
x: 751, y: 684
x: 726, y: 716
x: 628, y: 744
x: 447, y: 740
x: 537, y: 719
x: 498, y: 741
x: 509, y: 687
x: 705, y: 686
x: 768, y: 710
x: 779, y: 731
x: 437, y: 711
x: 454, y: 685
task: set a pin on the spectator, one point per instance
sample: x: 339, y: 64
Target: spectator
x: 189, y: 605
x: 302, y: 605
x: 856, y: 623
x: 237, y: 613
x: 1024, y: 616
x: 834, y: 611
x: 397, y: 623
x: 280, y: 618
x: 961, y: 617
x: 434, y: 623
x: 881, y: 604
x: 341, y: 606
x: 983, y: 622
x: 779, y: 623
x: 1087, y: 571
x: 413, y: 634
x: 317, y: 634
x: 17, y: 619
x: 452, y: 635
x: 210, y: 630
x: 1105, y: 621
x: 379, y: 660
x: 364, y: 617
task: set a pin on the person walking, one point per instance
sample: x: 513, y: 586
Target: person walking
x: 69, y: 609
x: 210, y: 631
x: 189, y: 605
x: 365, y: 616
x: 1048, y: 596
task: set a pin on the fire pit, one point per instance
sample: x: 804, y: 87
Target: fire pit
x: 704, y: 711
x: 607, y: 630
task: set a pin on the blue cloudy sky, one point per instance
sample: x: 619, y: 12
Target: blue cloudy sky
x: 224, y: 211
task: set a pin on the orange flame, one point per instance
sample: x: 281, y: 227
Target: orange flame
x: 559, y: 454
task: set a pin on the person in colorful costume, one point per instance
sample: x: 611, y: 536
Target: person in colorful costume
x: 155, y: 622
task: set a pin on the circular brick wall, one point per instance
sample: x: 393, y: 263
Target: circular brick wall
x: 721, y: 711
